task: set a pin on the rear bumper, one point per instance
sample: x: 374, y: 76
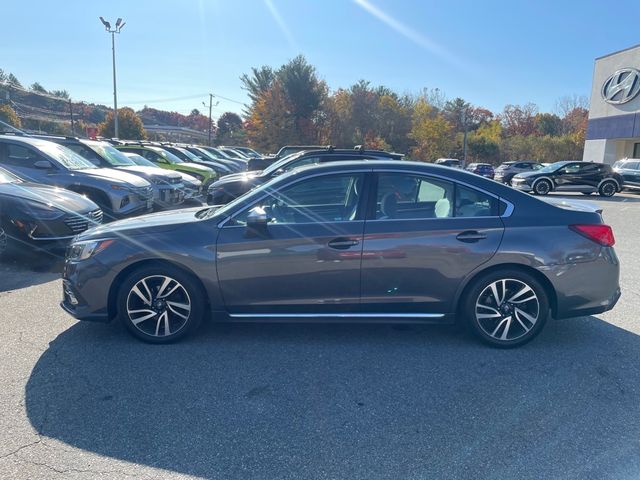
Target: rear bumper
x: 587, y: 288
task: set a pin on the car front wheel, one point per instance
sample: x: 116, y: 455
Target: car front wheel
x: 608, y: 188
x: 506, y: 309
x: 160, y: 304
x: 542, y: 187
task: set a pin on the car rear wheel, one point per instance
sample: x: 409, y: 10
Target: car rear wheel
x: 507, y: 308
x: 160, y: 304
x: 542, y: 187
x: 608, y: 188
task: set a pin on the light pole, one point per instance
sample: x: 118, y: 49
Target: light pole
x: 210, y: 106
x: 113, y: 31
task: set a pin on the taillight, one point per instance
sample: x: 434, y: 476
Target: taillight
x: 602, y: 234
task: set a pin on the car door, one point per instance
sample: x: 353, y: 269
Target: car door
x: 568, y: 177
x: 423, y: 236
x: 630, y: 172
x: 305, y: 261
x: 22, y: 161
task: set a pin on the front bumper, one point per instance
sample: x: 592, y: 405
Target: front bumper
x: 168, y: 196
x: 522, y: 186
x: 85, y: 291
x: 133, y: 202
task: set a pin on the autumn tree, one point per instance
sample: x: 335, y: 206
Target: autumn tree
x: 519, y: 120
x: 548, y: 124
x: 9, y: 115
x: 295, y: 87
x: 230, y: 127
x: 129, y: 125
x: 432, y: 133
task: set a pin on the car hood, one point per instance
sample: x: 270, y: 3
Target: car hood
x: 113, y: 175
x: 151, y: 171
x: 154, y: 222
x: 56, y: 197
x: 196, y: 167
x: 238, y: 177
x: 531, y: 174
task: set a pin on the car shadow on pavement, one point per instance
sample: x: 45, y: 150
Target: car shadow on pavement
x: 347, y: 401
x: 24, y: 269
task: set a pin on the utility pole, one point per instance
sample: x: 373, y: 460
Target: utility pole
x: 210, y: 105
x: 113, y: 31
x: 464, y: 141
x: 73, y: 128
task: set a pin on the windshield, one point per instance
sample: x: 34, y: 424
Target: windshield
x: 551, y: 168
x: 68, y: 158
x: 6, y: 177
x: 188, y: 154
x: 110, y: 154
x: 139, y: 160
x: 280, y: 163
x: 168, y: 156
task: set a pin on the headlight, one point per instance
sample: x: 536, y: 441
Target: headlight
x: 124, y: 188
x: 83, y: 250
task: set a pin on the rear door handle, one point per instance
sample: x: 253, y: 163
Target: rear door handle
x: 470, y: 236
x: 342, y: 243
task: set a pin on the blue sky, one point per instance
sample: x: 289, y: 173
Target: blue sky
x: 491, y: 53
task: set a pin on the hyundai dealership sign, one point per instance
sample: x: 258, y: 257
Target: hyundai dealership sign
x: 613, y: 131
x: 622, y: 86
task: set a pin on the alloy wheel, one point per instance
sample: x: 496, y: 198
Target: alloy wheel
x: 507, y: 309
x: 158, y: 306
x: 542, y: 187
x: 608, y: 189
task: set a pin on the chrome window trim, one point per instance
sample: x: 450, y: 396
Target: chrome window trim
x: 336, y: 315
x: 507, y: 213
x: 241, y: 210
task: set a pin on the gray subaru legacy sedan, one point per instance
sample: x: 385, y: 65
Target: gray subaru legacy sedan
x: 366, y: 241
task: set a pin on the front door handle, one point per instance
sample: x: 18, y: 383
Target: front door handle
x: 342, y: 243
x: 470, y: 236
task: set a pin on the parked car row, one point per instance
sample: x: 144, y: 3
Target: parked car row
x: 566, y: 176
x: 231, y: 187
x: 54, y: 187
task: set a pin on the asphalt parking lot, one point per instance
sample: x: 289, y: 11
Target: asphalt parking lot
x: 80, y: 400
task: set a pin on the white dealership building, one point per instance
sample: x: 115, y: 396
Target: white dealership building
x: 614, y: 114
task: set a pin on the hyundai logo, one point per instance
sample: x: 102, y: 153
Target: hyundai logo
x: 622, y: 86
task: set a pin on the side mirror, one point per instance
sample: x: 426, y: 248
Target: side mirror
x: 43, y: 164
x: 257, y: 218
x: 256, y: 223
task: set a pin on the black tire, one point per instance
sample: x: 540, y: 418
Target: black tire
x: 148, y: 330
x: 542, y: 187
x: 608, y: 188
x: 489, y: 329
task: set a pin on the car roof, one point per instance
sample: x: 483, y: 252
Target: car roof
x: 36, y: 142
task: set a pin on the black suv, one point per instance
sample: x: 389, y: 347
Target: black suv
x: 232, y: 186
x: 260, y: 163
x: 584, y: 177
